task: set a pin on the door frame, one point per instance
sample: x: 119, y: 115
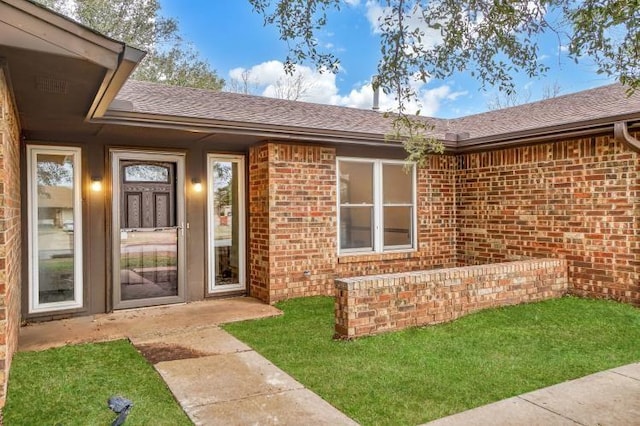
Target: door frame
x: 241, y: 217
x: 115, y: 158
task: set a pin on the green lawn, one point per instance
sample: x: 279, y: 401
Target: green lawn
x: 421, y: 374
x: 71, y: 385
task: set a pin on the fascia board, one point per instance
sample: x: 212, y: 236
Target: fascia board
x: 575, y: 129
x: 53, y: 29
x: 113, y: 81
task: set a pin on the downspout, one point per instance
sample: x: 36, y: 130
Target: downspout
x: 621, y: 134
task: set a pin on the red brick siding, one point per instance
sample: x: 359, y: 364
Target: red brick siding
x: 375, y: 304
x: 302, y: 215
x: 576, y: 199
x: 295, y: 189
x: 259, y: 222
x: 293, y: 223
x: 10, y: 239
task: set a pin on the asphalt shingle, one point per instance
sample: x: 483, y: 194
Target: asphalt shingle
x: 157, y: 99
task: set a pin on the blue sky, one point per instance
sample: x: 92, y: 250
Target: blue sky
x: 233, y: 39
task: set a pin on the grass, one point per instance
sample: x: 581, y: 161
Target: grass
x: 71, y: 385
x: 421, y: 374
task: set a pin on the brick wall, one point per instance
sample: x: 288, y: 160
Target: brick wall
x: 10, y: 246
x: 293, y: 223
x: 294, y: 187
x: 375, y: 304
x: 576, y: 199
x: 259, y: 222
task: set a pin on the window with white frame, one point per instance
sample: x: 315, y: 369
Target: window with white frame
x: 376, y: 200
x: 55, y: 228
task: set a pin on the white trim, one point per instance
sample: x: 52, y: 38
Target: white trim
x: 378, y: 208
x: 116, y: 156
x: 32, y: 229
x: 239, y: 216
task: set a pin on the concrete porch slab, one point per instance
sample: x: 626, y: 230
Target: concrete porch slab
x: 132, y: 323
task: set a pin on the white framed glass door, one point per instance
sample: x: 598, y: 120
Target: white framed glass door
x: 226, y: 223
x: 55, y: 228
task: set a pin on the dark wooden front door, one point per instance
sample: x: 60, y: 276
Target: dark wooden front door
x: 147, y: 194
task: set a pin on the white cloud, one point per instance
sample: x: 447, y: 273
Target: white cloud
x: 352, y: 2
x: 269, y: 79
x: 375, y: 14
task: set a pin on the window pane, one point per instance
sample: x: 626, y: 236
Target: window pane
x: 356, y: 183
x: 355, y: 227
x: 55, y: 227
x: 226, y: 217
x: 146, y: 173
x: 397, y: 184
x: 397, y: 226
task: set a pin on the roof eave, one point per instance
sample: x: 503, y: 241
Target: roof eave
x: 57, y: 30
x: 113, y: 81
x: 544, y: 134
x: 200, y: 125
x: 584, y: 128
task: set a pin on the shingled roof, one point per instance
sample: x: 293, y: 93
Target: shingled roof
x: 589, y: 106
x: 582, y: 108
x: 173, y: 101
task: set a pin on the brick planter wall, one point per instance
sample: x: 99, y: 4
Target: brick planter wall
x: 379, y: 303
x: 10, y: 245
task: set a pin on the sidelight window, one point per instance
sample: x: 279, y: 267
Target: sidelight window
x: 55, y: 228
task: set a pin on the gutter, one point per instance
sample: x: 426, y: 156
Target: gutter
x: 267, y: 131
x: 128, y: 59
x: 579, y: 129
x: 621, y: 134
x: 454, y: 144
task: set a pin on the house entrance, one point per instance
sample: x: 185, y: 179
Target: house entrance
x: 148, y: 237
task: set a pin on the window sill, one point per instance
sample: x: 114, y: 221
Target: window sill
x: 374, y: 257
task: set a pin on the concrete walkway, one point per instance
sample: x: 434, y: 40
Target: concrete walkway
x: 219, y: 380
x: 610, y: 397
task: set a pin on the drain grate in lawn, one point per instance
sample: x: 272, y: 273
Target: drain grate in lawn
x: 420, y: 374
x: 159, y: 352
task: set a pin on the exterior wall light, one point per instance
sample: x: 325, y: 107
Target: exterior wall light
x: 96, y: 184
x: 197, y: 185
